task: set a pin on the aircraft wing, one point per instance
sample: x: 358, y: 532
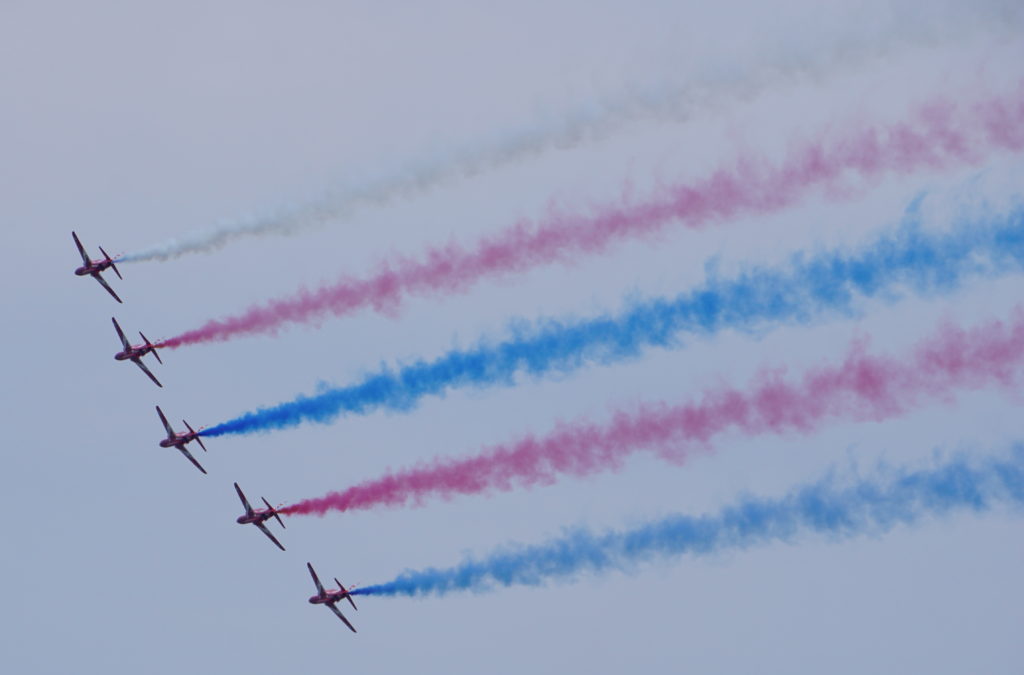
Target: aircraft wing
x: 104, y: 284
x: 316, y: 580
x: 245, y: 502
x: 334, y: 608
x: 192, y: 459
x: 120, y: 334
x: 264, y: 530
x: 142, y: 365
x: 167, y: 425
x: 81, y: 249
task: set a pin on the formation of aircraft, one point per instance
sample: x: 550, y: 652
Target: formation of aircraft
x: 257, y: 517
x: 95, y: 268
x: 179, y: 441
x: 135, y: 354
x: 331, y: 598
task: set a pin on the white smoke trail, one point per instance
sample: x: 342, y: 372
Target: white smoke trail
x: 667, y: 103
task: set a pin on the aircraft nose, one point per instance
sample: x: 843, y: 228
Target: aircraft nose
x: 239, y: 519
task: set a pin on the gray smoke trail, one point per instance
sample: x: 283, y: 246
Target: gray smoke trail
x: 665, y: 103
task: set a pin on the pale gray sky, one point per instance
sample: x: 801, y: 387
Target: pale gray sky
x: 135, y: 122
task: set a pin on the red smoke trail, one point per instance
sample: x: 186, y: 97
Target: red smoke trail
x: 863, y: 387
x: 939, y: 134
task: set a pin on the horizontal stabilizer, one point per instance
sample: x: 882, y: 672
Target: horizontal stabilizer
x: 274, y: 511
x: 347, y: 594
x: 194, y: 435
x: 112, y: 265
x: 151, y: 347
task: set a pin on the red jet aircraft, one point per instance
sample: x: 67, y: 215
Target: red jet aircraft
x: 258, y: 516
x: 178, y: 441
x: 135, y: 354
x: 93, y: 268
x: 331, y: 598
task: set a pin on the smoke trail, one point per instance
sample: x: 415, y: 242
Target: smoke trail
x: 667, y: 102
x: 862, y: 387
x: 810, y: 286
x: 940, y: 134
x: 867, y: 506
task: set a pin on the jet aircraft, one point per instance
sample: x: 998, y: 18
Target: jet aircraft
x: 135, y: 354
x: 94, y: 268
x: 258, y: 516
x: 175, y: 440
x: 331, y: 598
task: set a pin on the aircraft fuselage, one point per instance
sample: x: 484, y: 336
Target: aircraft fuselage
x: 329, y: 598
x: 94, y: 268
x: 180, y: 439
x: 258, y: 516
x: 133, y: 353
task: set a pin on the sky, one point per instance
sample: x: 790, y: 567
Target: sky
x: 135, y: 124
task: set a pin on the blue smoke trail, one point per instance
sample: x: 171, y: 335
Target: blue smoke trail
x: 866, y: 506
x: 806, y: 288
